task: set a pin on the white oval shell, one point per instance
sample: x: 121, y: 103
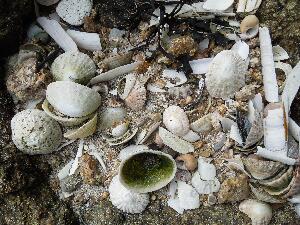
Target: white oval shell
x: 226, y: 74
x: 33, y: 132
x: 74, y: 11
x: 217, y: 5
x: 125, y: 200
x: 72, y: 99
x: 73, y: 66
x: 176, y: 120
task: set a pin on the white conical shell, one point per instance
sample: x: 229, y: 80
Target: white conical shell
x: 214, y: 5
x: 226, y: 74
x: 84, y: 40
x: 33, y: 132
x: 259, y: 212
x: 72, y: 99
x: 47, y: 2
x: 176, y: 120
x: 73, y: 66
x: 74, y: 11
x: 125, y: 200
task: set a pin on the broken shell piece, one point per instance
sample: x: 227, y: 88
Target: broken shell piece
x: 113, y: 141
x: 280, y: 180
x: 264, y: 196
x: 137, y: 97
x: 73, y: 66
x: 279, y: 53
x: 213, y: 5
x: 118, y: 60
x: 205, y: 186
x: 147, y: 171
x: 126, y: 200
x: 130, y: 150
x: 204, y: 124
x: 200, y: 66
x: 191, y: 136
x: 241, y: 48
x: 120, y: 129
x: 226, y: 74
x: 190, y: 162
x: 248, y: 6
x: 33, y: 132
x: 260, y: 213
x: 176, y: 120
x: 251, y: 33
x: 173, y: 78
x: 174, y: 142
x: 74, y: 11
x: 84, y: 131
x: 249, y: 22
x: 206, y: 170
x: 280, y: 156
x: 84, y: 40
x: 47, y: 2
x: 72, y: 99
x: 188, y: 196
x: 111, y: 116
x: 126, y: 84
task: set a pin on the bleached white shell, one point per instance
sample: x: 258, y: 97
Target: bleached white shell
x: 125, y: 200
x: 176, y: 120
x: 200, y: 66
x: 188, y: 196
x: 174, y: 142
x: 72, y: 99
x: 47, y: 2
x: 177, y: 78
x: 120, y: 129
x: 33, y: 132
x: 279, y: 53
x: 127, y: 136
x: 130, y: 150
x: 259, y: 212
x: 205, y: 186
x: 84, y: 40
x: 226, y: 74
x: 242, y: 48
x: 111, y: 116
x: 74, y: 11
x: 73, y: 66
x: 217, y: 5
x: 191, y: 136
x: 203, y: 124
x: 206, y: 170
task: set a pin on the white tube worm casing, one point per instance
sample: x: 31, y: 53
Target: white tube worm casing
x: 268, y: 67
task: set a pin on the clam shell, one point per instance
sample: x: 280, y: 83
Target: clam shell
x: 111, y: 116
x: 126, y: 200
x: 226, y: 74
x: 259, y: 212
x: 84, y: 40
x: 84, y: 131
x: 122, y: 139
x: 73, y: 66
x: 174, y: 142
x: 217, y: 5
x: 47, y: 2
x: 147, y: 171
x: 33, y: 132
x: 74, y: 11
x: 262, y: 195
x: 72, y: 99
x: 176, y: 120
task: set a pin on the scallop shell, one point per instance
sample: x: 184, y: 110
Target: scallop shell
x: 226, y: 74
x: 73, y: 66
x: 260, y: 168
x: 260, y: 213
x: 84, y: 40
x: 72, y: 99
x: 217, y: 5
x: 205, y: 186
x: 125, y: 200
x: 176, y: 120
x: 33, y: 132
x: 84, y: 131
x: 47, y: 2
x: 147, y: 171
x: 74, y: 11
x: 262, y: 195
x: 137, y: 97
x: 174, y: 142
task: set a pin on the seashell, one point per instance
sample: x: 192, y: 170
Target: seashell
x: 47, y: 2
x: 72, y: 99
x: 285, y: 67
x: 176, y: 120
x: 131, y: 150
x: 33, y: 132
x: 174, y: 142
x: 188, y: 196
x: 241, y: 48
x: 200, y: 66
x: 74, y: 11
x: 280, y: 156
x: 126, y: 84
x: 268, y: 67
x: 256, y: 131
x: 111, y: 116
x: 175, y: 204
x: 279, y: 180
x: 295, y: 184
x: 191, y: 136
x: 84, y: 40
x: 251, y: 33
x: 64, y: 120
x: 248, y: 6
x: 189, y: 161
x: 261, y: 168
x: 204, y: 124
x: 84, y: 131
x: 249, y: 22
x: 118, y: 60
x: 205, y: 186
x: 226, y: 74
x: 206, y: 170
x: 262, y: 195
x: 136, y: 99
x: 181, y: 91
x: 54, y: 29
x: 120, y: 129
x: 217, y: 5
x: 73, y: 66
x: 35, y: 32
x: 173, y: 78
x: 155, y: 88
x: 147, y: 171
x: 114, y: 73
x: 219, y: 141
x: 279, y: 53
x: 260, y: 213
x: 126, y: 200
x: 122, y: 139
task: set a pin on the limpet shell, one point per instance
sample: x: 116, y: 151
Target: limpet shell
x: 73, y: 66
x: 72, y: 99
x: 147, y: 171
x: 33, y: 132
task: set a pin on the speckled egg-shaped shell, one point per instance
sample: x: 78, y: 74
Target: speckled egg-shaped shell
x: 73, y: 66
x: 226, y: 74
x: 72, y: 99
x: 176, y: 120
x: 33, y: 132
x: 126, y: 200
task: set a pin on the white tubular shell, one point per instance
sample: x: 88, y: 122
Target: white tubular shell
x: 55, y: 30
x: 268, y: 67
x: 84, y: 40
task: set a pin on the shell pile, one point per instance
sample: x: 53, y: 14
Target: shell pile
x: 205, y: 120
